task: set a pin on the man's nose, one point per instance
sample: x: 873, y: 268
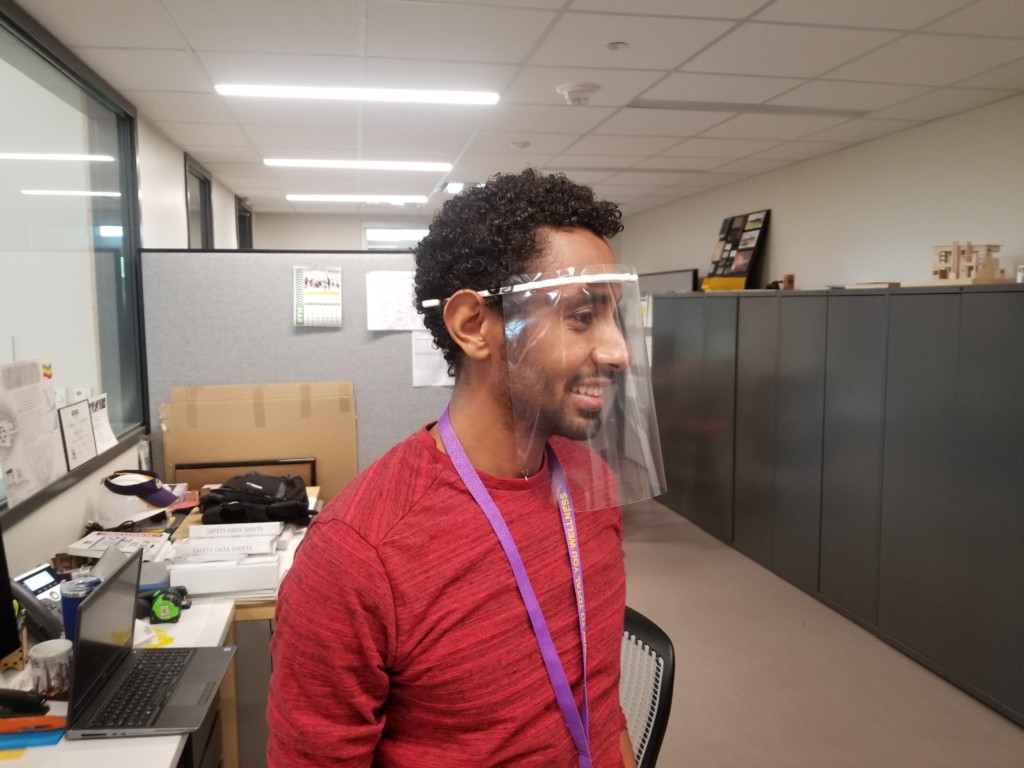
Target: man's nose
x: 611, y: 350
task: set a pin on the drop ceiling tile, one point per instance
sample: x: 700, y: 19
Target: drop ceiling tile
x: 224, y: 155
x: 780, y: 127
x: 303, y: 140
x: 549, y: 4
x: 723, y: 148
x: 925, y: 60
x: 536, y: 85
x: 580, y: 175
x: 140, y: 23
x: 291, y: 112
x: 618, y: 193
x: 716, y: 9
x: 753, y: 165
x: 280, y: 68
x: 661, y: 122
x: 581, y: 40
x: 597, y: 161
x: 205, y: 134
x: 236, y: 170
x: 785, y: 51
x: 1010, y: 76
x: 251, y: 185
x: 539, y: 143
x: 861, y: 129
x: 270, y: 26
x: 942, y: 102
x: 654, y: 179
x: 480, y: 166
x: 999, y: 18
x: 544, y: 119
x: 188, y: 107
x: 664, y: 162
x: 711, y: 180
x: 435, y: 31
x: 834, y: 94
x: 446, y: 143
x: 689, y: 86
x: 425, y: 117
x: 871, y: 14
x: 802, y: 150
x: 131, y: 69
x: 621, y: 145
x: 436, y: 75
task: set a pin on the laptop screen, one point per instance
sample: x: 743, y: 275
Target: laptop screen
x: 106, y: 622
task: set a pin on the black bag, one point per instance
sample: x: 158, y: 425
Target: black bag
x: 256, y: 497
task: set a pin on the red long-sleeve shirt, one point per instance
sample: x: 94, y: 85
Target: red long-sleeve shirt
x: 402, y: 639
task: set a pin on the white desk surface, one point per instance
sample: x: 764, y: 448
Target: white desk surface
x: 205, y: 623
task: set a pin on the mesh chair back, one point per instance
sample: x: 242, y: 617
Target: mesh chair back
x: 645, y: 685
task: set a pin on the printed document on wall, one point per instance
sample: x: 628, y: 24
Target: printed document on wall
x: 317, y: 296
x: 389, y: 302
x: 429, y: 368
x: 31, y: 450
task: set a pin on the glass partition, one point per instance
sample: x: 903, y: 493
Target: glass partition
x: 68, y: 255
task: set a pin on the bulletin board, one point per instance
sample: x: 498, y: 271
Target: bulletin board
x: 226, y: 317
x: 740, y: 247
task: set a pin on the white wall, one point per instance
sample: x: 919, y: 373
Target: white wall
x: 868, y: 213
x: 317, y: 231
x: 161, y: 190
x: 225, y: 222
x: 35, y: 538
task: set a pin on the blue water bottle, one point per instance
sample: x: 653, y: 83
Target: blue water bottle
x: 72, y: 593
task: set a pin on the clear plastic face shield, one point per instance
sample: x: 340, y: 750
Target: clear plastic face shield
x: 578, y: 368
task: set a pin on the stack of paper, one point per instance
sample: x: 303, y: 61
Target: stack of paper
x: 228, y: 558
x: 154, y: 546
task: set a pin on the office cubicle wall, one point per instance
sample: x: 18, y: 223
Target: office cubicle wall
x: 225, y: 317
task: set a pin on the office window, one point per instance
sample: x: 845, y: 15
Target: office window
x: 199, y: 201
x: 243, y: 215
x: 68, y: 238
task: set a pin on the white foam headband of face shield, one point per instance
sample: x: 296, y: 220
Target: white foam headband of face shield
x: 551, y: 282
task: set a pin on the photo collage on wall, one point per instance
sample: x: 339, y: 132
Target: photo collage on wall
x: 740, y: 243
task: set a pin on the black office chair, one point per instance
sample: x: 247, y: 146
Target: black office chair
x: 645, y: 685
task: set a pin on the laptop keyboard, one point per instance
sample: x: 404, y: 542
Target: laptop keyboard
x: 138, y: 697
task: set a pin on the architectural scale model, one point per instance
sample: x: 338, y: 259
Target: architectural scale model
x: 967, y: 263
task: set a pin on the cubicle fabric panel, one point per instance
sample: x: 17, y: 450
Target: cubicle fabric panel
x: 225, y: 317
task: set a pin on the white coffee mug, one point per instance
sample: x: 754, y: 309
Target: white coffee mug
x: 50, y: 667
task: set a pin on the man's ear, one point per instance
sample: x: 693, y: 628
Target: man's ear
x: 472, y: 324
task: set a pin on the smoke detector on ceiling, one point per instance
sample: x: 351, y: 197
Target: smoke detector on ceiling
x: 577, y: 94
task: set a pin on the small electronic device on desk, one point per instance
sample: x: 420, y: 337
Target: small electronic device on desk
x: 38, y: 593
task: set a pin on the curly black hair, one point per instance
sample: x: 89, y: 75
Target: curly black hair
x: 485, y: 235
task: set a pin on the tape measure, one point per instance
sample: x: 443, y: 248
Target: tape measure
x: 166, y: 606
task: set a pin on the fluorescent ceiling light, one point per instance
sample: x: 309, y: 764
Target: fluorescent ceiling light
x: 394, y: 235
x: 454, y: 187
x: 404, y: 95
x: 380, y: 199
x: 360, y: 165
x: 52, y: 156
x: 69, y: 193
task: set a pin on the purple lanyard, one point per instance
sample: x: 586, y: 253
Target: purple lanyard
x: 576, y: 720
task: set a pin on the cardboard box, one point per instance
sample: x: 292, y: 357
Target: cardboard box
x: 259, y: 422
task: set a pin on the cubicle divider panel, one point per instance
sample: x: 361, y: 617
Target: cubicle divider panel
x: 757, y: 360
x: 225, y: 317
x: 851, y: 493
x: 987, y: 518
x: 796, y: 517
x: 716, y: 447
x: 920, y: 469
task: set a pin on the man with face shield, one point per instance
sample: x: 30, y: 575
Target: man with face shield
x: 461, y: 602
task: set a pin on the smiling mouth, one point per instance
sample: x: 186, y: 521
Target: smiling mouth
x: 589, y: 396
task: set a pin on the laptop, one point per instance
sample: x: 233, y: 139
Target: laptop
x: 165, y: 690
